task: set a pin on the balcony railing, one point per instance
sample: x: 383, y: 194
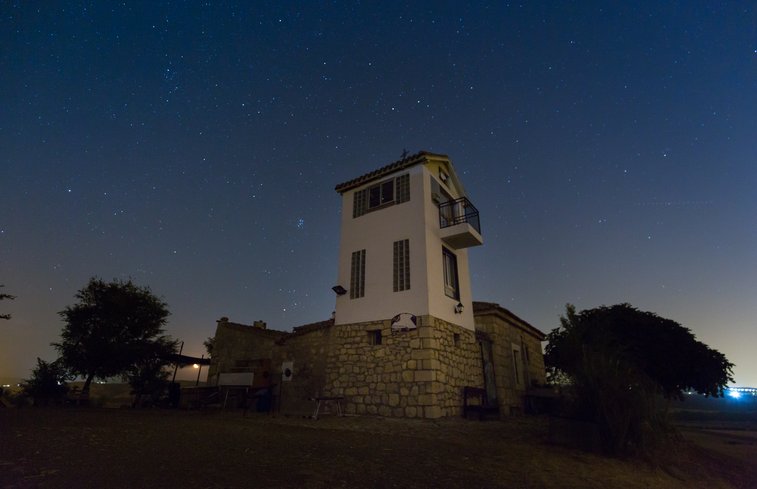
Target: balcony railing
x: 458, y: 211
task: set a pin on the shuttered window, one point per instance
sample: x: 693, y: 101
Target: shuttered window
x: 389, y: 192
x: 403, y: 188
x: 401, y: 265
x: 357, y: 275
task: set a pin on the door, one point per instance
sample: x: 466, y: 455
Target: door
x: 488, y: 364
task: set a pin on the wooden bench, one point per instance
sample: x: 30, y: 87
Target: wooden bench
x: 475, y: 400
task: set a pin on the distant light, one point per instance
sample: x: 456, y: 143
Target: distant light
x: 734, y: 394
x: 195, y: 366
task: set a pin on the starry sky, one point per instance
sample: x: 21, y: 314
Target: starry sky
x: 194, y: 147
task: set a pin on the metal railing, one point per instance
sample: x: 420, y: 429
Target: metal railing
x: 458, y: 211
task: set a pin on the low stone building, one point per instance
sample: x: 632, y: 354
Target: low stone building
x: 382, y: 371
x: 406, y: 337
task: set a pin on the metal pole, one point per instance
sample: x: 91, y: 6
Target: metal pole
x: 176, y: 364
x: 199, y: 369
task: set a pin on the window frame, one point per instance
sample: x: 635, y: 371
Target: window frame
x: 357, y: 274
x: 449, y: 264
x: 395, y: 190
x: 401, y: 265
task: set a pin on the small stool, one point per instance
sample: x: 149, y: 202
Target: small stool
x: 327, y: 399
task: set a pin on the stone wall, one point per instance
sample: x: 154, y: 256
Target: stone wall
x: 511, y: 344
x: 308, y: 351
x: 417, y: 373
x: 414, y: 373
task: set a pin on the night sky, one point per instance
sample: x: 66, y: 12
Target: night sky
x: 611, y: 149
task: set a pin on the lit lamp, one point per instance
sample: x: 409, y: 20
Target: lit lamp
x: 459, y: 308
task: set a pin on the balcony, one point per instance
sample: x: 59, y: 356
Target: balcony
x: 459, y: 223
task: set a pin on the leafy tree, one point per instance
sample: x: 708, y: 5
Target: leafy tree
x: 148, y: 377
x: 619, y: 359
x: 113, y: 329
x: 209, y: 344
x: 5, y: 296
x: 48, y: 383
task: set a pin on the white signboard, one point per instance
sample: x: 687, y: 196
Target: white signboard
x: 239, y: 379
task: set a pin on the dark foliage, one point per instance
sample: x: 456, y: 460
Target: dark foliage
x: 209, y: 344
x: 48, y: 383
x: 619, y: 360
x: 5, y: 296
x: 115, y: 329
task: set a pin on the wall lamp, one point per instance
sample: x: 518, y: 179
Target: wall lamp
x: 459, y: 308
x: 339, y: 290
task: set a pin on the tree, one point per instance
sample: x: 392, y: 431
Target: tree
x: 147, y: 377
x: 618, y: 359
x: 209, y: 344
x: 48, y: 383
x: 113, y: 329
x: 5, y: 296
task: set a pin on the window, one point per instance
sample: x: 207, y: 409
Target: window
x: 389, y: 192
x: 403, y: 188
x: 359, y: 203
x: 517, y: 366
x: 456, y: 339
x: 357, y: 275
x: 402, y: 265
x: 374, y: 337
x: 451, y: 288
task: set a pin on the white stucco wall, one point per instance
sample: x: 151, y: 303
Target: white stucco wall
x: 376, y: 231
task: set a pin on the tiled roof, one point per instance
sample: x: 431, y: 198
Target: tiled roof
x: 481, y: 308
x: 405, y: 162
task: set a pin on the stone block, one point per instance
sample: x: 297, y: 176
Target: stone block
x: 425, y: 332
x: 431, y: 364
x: 384, y: 411
x: 432, y: 412
x: 407, y: 376
x: 421, y: 354
x: 394, y: 400
x: 430, y: 343
x: 426, y: 400
x: 411, y: 411
x: 350, y: 391
x: 350, y: 408
x: 360, y: 409
x: 363, y: 390
x: 410, y: 364
x: 425, y: 375
x: 415, y: 343
x: 371, y: 409
x: 404, y: 391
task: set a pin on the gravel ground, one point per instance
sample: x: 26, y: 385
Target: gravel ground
x: 116, y: 448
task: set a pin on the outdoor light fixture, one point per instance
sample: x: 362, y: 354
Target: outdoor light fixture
x: 339, y: 290
x: 459, y: 308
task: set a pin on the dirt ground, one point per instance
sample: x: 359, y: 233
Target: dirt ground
x: 72, y: 447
